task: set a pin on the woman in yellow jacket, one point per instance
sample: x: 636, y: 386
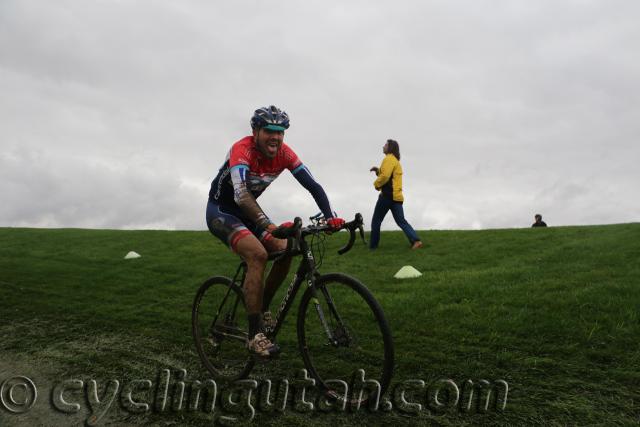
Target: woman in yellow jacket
x: 389, y: 183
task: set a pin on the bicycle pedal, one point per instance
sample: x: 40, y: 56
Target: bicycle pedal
x: 265, y: 359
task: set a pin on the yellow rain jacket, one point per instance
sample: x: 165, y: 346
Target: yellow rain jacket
x: 389, y: 180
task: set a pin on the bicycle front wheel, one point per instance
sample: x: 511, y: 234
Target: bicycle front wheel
x: 341, y: 330
x: 219, y: 326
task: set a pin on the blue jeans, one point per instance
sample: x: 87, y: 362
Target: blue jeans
x: 383, y: 206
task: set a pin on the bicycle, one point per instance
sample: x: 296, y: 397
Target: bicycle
x: 340, y: 326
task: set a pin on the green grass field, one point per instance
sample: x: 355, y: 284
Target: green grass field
x: 553, y: 312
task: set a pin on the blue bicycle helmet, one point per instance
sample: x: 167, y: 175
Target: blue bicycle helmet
x: 271, y: 118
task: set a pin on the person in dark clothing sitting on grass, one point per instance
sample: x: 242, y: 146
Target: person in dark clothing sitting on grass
x: 539, y: 222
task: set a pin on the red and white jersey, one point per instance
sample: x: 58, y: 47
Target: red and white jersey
x: 246, y: 164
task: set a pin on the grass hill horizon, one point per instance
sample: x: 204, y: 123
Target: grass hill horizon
x: 391, y: 230
x: 553, y: 312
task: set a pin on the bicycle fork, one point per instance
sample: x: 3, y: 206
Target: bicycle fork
x: 340, y: 336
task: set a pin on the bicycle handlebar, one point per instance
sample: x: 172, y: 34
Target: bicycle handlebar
x: 357, y: 223
x: 297, y: 231
x: 286, y: 232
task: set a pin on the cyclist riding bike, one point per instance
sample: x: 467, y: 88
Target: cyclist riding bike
x: 234, y: 216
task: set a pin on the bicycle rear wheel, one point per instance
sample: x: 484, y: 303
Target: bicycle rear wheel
x: 360, y: 338
x: 219, y: 326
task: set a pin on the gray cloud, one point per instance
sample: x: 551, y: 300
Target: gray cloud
x: 118, y: 114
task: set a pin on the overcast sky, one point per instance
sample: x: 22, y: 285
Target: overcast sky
x: 118, y: 114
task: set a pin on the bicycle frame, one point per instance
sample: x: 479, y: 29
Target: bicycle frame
x: 306, y: 272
